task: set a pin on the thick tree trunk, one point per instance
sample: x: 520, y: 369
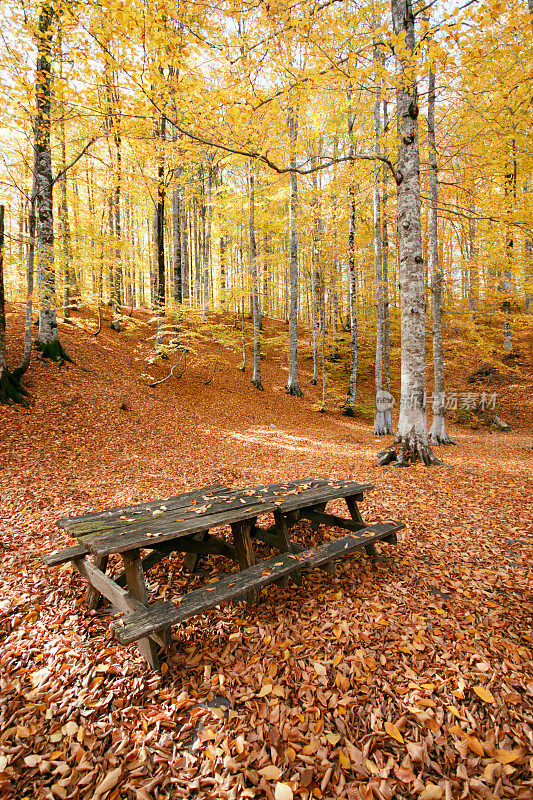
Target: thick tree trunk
x: 411, y: 442
x: 437, y: 433
x: 256, y: 314
x: 293, y: 385
x: 48, y: 342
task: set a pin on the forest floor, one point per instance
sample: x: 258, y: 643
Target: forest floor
x: 408, y: 678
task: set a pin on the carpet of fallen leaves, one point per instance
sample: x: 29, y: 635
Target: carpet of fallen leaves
x: 408, y: 678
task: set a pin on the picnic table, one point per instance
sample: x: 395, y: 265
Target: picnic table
x: 146, y: 533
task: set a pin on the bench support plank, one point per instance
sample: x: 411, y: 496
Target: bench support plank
x: 244, y: 550
x: 161, y: 614
x: 135, y: 583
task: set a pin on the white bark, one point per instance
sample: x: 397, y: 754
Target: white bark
x: 381, y: 427
x: 437, y: 433
x: 256, y: 314
x: 411, y: 437
x: 293, y: 386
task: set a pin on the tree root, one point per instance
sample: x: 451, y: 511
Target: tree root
x: 407, y: 450
x: 381, y: 426
x: 54, y: 351
x: 293, y: 389
x: 437, y: 432
x: 257, y: 383
x: 12, y: 390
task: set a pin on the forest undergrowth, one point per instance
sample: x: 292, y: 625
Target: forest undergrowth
x: 408, y: 678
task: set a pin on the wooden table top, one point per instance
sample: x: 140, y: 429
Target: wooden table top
x: 146, y: 525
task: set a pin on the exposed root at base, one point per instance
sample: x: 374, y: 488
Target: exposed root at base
x: 257, y: 383
x: 294, y: 389
x: 438, y: 439
x: 407, y: 450
x: 53, y: 351
x: 12, y: 391
x: 381, y: 426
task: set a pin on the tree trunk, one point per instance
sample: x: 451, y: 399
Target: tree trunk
x: 256, y: 314
x: 207, y: 239
x: 381, y: 427
x: 64, y: 226
x: 352, y: 386
x: 437, y: 433
x: 160, y: 238
x: 293, y: 386
x: 385, y: 272
x: 48, y: 342
x: 176, y: 242
x: 11, y: 389
x: 411, y: 442
x: 185, y: 286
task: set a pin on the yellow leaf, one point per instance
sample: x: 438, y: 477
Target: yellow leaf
x: 265, y: 689
x: 333, y: 738
x: 475, y: 745
x: 431, y: 792
x: 271, y: 773
x: 373, y: 768
x: 485, y: 694
x: 453, y: 710
x: 393, y: 731
x: 507, y: 756
x: 344, y: 760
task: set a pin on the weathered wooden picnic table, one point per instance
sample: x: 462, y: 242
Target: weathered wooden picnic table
x: 146, y: 533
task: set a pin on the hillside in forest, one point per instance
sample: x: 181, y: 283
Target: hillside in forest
x: 405, y: 678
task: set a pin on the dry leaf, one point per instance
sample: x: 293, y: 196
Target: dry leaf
x: 271, y: 773
x: 485, y: 694
x: 393, y: 731
x: 475, y: 745
x: 283, y: 792
x: 431, y: 792
x: 507, y: 756
x: 110, y: 780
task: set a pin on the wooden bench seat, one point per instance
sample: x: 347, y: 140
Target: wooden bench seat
x: 164, y: 613
x: 66, y: 554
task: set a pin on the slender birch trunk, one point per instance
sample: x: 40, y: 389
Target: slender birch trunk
x: 293, y: 385
x: 385, y: 272
x: 207, y: 239
x: 381, y: 428
x: 411, y: 441
x: 256, y: 315
x: 437, y: 433
x: 352, y: 386
x: 176, y: 239
x: 160, y: 236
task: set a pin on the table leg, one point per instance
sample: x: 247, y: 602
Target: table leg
x: 351, y: 502
x: 190, y: 560
x: 285, y: 546
x: 135, y: 583
x: 244, y: 551
x: 93, y: 597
